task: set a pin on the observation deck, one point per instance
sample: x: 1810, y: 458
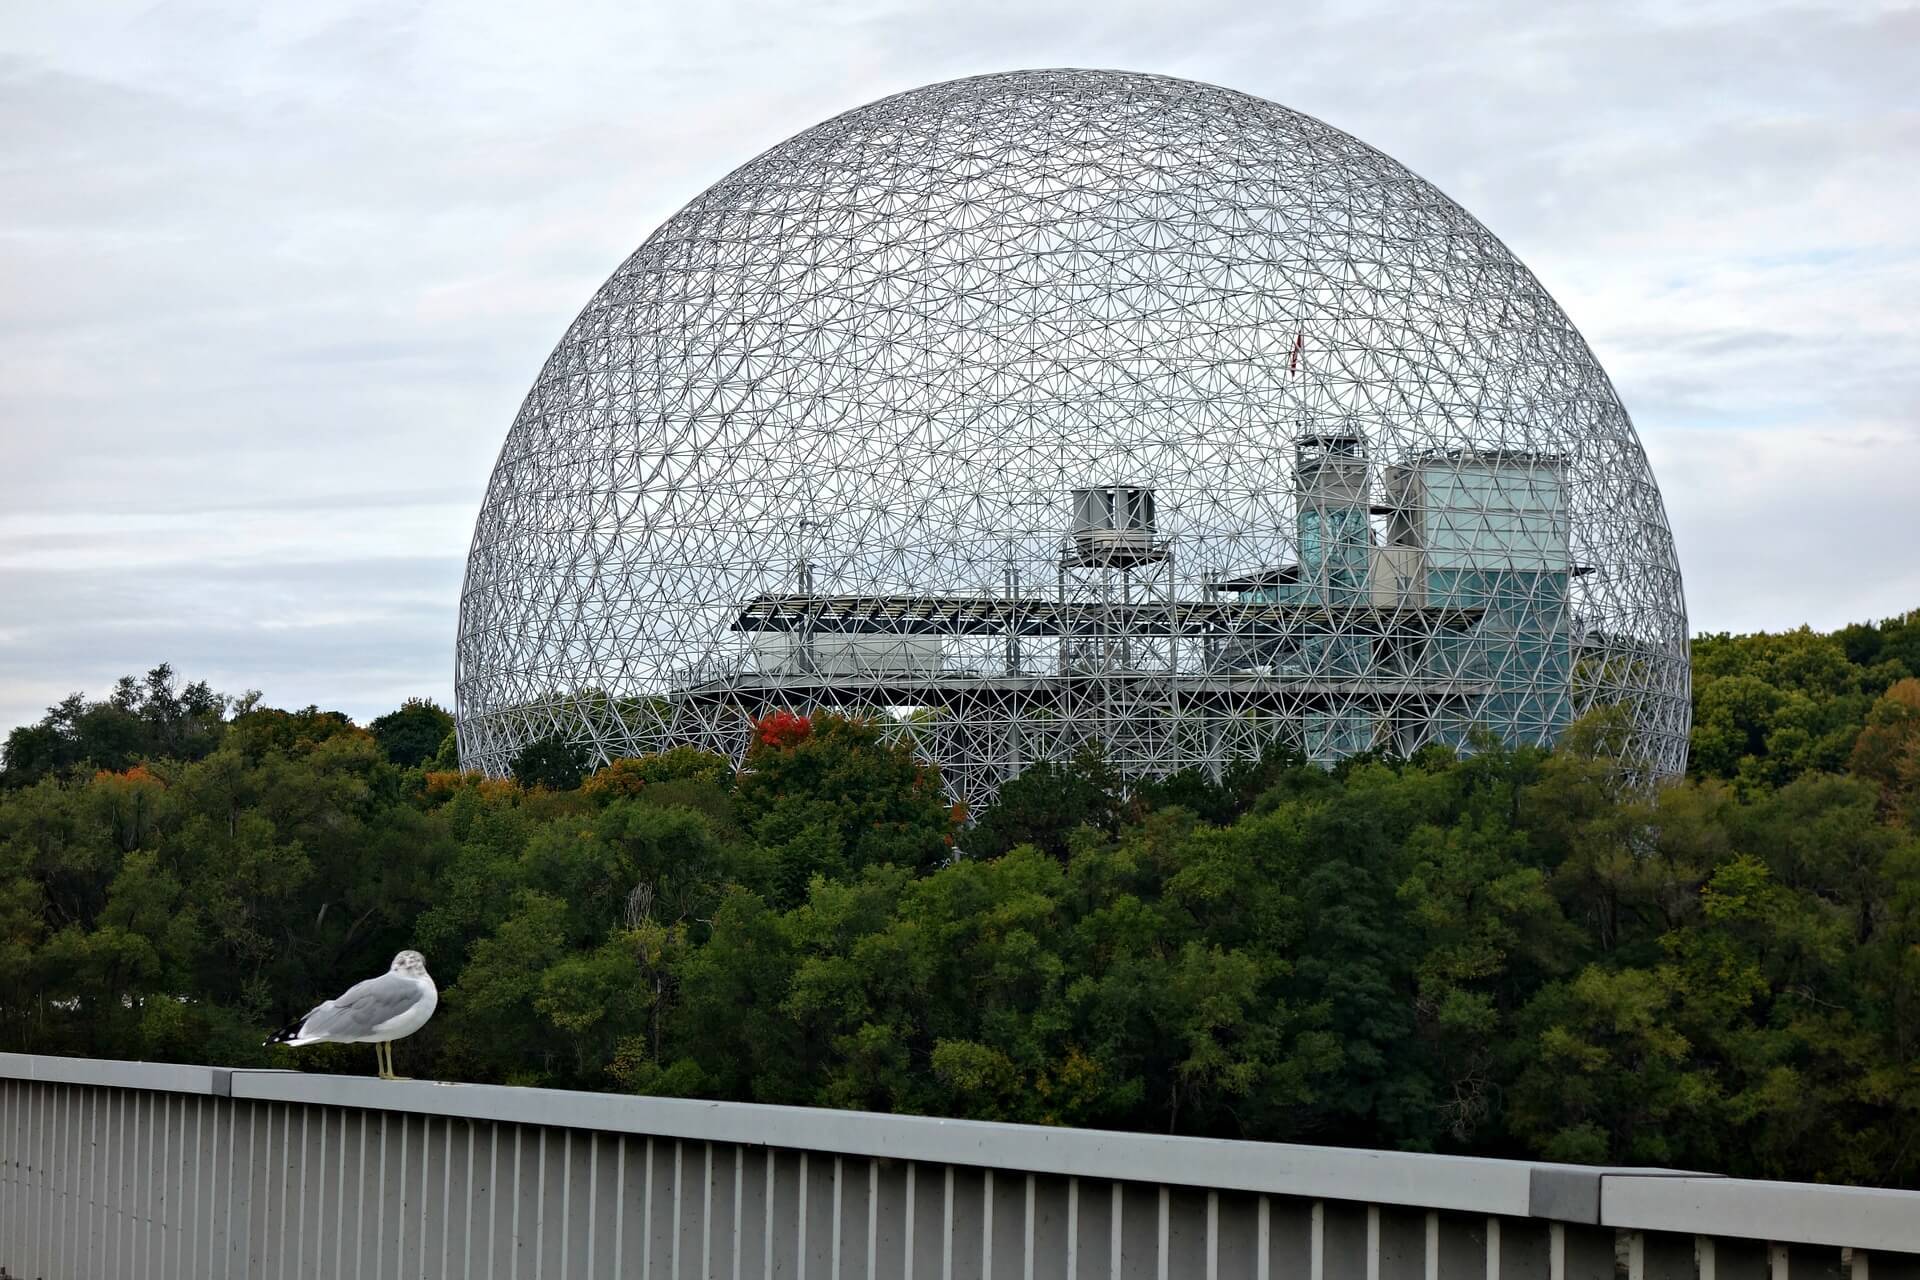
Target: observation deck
x: 1274, y: 693
x: 1038, y: 616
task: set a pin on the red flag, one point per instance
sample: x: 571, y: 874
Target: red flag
x: 1299, y: 343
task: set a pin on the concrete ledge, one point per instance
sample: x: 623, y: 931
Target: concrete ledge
x: 1638, y: 1199
x: 1782, y: 1212
x: 1564, y: 1194
x: 165, y: 1077
x: 1460, y: 1184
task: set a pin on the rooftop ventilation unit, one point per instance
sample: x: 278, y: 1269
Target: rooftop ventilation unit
x: 1113, y: 528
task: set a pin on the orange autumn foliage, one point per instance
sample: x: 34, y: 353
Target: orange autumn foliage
x: 445, y: 782
x: 1888, y: 748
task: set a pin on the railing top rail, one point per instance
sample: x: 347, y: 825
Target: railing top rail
x: 1465, y: 1184
x: 1783, y: 1212
x: 164, y: 1077
x: 1648, y: 1199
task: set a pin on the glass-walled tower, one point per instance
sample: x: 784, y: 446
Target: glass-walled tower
x: 1492, y: 531
x: 1331, y: 528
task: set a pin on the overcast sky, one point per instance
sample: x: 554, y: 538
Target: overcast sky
x: 273, y: 283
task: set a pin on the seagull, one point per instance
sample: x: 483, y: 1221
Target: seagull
x: 377, y: 1012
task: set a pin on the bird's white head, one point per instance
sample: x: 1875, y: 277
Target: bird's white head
x: 411, y: 963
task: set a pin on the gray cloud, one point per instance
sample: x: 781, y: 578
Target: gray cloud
x: 272, y: 280
x: 353, y: 635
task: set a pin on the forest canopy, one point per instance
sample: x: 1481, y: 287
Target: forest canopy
x: 1513, y: 953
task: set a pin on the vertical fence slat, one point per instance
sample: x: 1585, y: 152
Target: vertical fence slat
x: 706, y: 1214
x: 418, y: 1271
x: 9, y: 1159
x: 540, y: 1263
x: 97, y: 1182
x: 620, y: 1209
x: 49, y: 1140
x: 739, y: 1210
x: 466, y: 1265
x: 593, y: 1200
x: 9, y: 1153
x: 216, y: 1185
x: 676, y: 1225
x: 493, y: 1200
x: 449, y: 1162
x: 69, y: 1181
x: 35, y: 1114
x: 833, y: 1268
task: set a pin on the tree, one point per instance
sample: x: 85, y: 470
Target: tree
x: 140, y: 720
x: 260, y: 731
x: 553, y: 762
x: 1510, y: 951
x: 413, y: 734
x: 1047, y: 803
x: 1221, y: 800
x: 834, y: 796
x: 632, y: 775
x: 1887, y: 751
x: 1768, y: 708
x: 1602, y: 1075
x: 33, y: 752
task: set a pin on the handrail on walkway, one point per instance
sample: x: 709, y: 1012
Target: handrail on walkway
x: 137, y: 1169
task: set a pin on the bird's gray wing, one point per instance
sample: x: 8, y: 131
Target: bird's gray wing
x: 365, y: 1006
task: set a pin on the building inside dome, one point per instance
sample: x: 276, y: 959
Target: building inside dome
x: 1057, y: 408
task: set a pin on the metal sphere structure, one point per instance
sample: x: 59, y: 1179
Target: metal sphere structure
x: 1059, y: 407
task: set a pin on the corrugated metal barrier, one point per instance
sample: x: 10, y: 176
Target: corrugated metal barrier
x: 150, y: 1171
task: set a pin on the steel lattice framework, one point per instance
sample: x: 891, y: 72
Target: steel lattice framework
x: 1067, y: 406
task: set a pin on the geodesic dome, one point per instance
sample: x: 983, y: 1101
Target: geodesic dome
x: 1065, y: 406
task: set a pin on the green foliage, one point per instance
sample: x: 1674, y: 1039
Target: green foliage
x: 1045, y: 805
x: 141, y: 719
x: 1514, y: 952
x: 833, y: 797
x: 1887, y: 751
x: 633, y: 775
x: 1767, y: 708
x: 552, y: 762
x: 412, y: 735
x: 1218, y: 800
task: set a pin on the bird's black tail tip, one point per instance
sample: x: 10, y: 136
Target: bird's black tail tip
x: 284, y: 1034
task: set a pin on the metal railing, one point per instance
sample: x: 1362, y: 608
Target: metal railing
x: 143, y: 1170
